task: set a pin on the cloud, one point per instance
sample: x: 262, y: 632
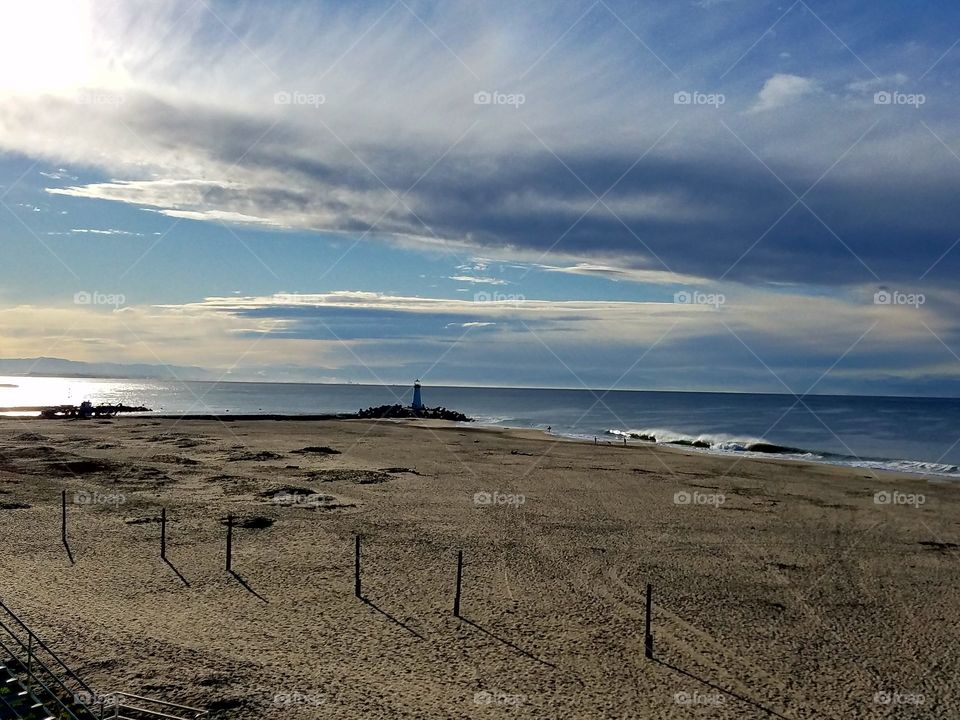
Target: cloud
x: 789, y: 317
x: 475, y: 265
x: 363, y: 335
x: 226, y: 216
x: 585, y: 175
x: 615, y: 273
x: 868, y: 85
x: 755, y: 340
x: 781, y: 90
x: 108, y: 231
x: 478, y: 280
x: 60, y: 174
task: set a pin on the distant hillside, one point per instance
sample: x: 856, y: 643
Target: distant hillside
x: 58, y: 367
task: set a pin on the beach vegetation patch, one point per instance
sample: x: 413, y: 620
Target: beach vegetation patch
x: 317, y: 450
x: 941, y: 546
x: 185, y: 442
x: 398, y: 470
x: 254, y: 522
x: 221, y: 704
x: 259, y: 456
x: 83, y: 466
x: 287, y: 490
x: 175, y: 460
x: 358, y: 477
x: 30, y: 437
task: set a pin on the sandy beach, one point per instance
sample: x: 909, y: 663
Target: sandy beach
x: 781, y: 589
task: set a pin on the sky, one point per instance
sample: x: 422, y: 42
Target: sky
x: 726, y: 195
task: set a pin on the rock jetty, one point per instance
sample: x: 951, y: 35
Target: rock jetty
x: 405, y: 411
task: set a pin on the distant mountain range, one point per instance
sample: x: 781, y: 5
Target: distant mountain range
x: 58, y: 367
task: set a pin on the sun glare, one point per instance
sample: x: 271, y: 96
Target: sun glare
x: 44, y: 45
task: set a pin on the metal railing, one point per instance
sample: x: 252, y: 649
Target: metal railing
x: 16, y: 700
x: 124, y: 706
x: 50, y: 677
x: 62, y: 689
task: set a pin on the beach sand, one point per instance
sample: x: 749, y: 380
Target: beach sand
x: 782, y: 589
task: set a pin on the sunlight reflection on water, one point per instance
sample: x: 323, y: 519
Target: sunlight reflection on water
x: 43, y: 391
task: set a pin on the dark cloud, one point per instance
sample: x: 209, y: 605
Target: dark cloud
x: 401, y: 149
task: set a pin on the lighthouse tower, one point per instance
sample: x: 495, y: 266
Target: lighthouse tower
x: 417, y: 403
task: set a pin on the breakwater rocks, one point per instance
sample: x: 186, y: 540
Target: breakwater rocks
x: 405, y: 411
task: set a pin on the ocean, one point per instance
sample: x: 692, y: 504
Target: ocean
x: 919, y: 435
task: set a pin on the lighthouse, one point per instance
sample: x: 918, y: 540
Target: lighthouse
x: 417, y: 403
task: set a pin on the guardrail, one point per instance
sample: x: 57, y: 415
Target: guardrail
x: 124, y: 706
x: 61, y: 687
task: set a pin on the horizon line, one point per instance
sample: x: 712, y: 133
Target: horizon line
x: 471, y: 387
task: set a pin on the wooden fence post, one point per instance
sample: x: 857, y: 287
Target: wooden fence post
x: 356, y: 568
x: 63, y: 524
x: 229, y: 543
x: 648, y: 635
x: 456, y: 599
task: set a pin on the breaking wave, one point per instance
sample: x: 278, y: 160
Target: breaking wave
x: 722, y: 443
